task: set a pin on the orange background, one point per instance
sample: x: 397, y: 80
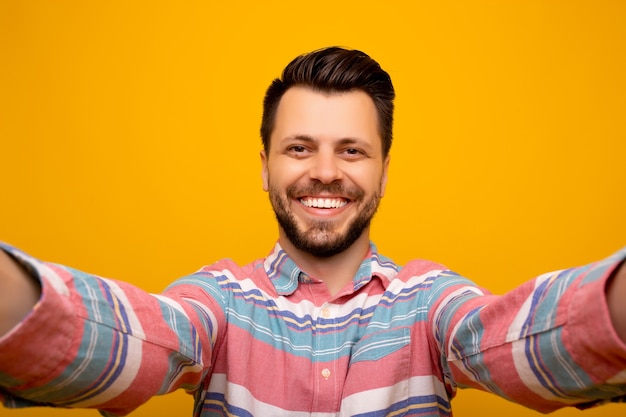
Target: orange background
x: 129, y: 136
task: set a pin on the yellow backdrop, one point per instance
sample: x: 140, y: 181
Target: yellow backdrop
x: 129, y: 136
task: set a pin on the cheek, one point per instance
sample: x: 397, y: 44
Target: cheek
x: 369, y: 180
x: 286, y: 174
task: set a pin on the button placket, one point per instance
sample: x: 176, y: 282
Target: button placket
x: 326, y: 313
x: 326, y: 382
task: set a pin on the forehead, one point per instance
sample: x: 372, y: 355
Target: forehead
x: 330, y: 116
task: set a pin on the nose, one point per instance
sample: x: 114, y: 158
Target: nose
x: 325, y: 168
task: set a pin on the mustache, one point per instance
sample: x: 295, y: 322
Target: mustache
x: 316, y: 187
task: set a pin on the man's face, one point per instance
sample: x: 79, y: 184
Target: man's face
x: 324, y: 171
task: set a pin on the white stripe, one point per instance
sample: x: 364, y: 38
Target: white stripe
x: 381, y: 398
x: 241, y: 397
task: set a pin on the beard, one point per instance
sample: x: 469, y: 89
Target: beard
x: 321, y: 239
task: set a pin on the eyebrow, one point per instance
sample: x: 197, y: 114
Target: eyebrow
x: 304, y: 138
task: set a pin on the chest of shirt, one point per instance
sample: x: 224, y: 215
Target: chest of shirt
x: 325, y: 358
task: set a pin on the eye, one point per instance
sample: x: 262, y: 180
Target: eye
x: 353, y: 153
x: 297, y: 151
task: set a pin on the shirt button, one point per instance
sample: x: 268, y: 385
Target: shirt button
x: 326, y: 373
x: 326, y: 312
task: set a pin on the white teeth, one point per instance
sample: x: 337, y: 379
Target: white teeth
x: 323, y: 202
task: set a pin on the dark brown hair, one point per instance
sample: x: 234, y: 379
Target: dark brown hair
x: 334, y: 70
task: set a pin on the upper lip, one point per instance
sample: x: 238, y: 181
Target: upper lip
x: 332, y: 191
x: 323, y: 196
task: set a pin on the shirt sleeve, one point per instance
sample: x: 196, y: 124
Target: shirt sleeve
x: 98, y: 343
x: 548, y: 344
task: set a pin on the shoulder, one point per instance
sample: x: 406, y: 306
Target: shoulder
x: 420, y: 268
x: 225, y: 276
x: 435, y: 281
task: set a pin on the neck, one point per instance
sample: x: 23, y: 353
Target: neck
x: 335, y: 271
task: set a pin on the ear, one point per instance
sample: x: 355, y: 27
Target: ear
x: 383, y: 181
x: 264, y: 173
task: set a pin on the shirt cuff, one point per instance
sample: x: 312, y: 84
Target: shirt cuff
x: 591, y: 337
x: 41, y: 342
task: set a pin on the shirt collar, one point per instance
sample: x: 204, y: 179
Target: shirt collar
x: 285, y: 275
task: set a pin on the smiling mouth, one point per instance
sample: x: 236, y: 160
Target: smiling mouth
x: 327, y: 203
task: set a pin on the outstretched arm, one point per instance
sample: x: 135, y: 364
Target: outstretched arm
x: 616, y: 297
x: 96, y: 342
x: 19, y: 292
x: 555, y: 341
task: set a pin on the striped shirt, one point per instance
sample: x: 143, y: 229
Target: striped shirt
x: 266, y: 339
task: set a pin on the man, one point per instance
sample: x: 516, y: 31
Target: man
x: 324, y: 325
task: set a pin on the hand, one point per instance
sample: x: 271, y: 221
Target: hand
x: 19, y: 292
